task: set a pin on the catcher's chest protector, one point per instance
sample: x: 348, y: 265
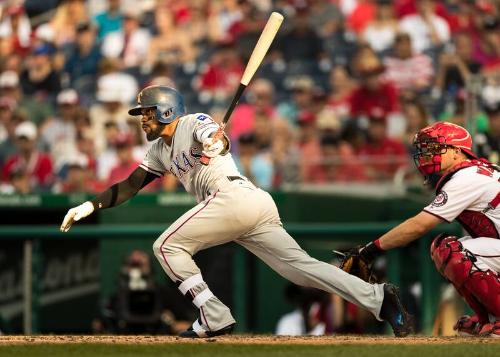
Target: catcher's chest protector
x: 454, y: 264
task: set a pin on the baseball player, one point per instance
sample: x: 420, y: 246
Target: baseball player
x: 467, y: 190
x: 230, y: 208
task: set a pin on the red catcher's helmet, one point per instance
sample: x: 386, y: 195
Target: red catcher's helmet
x: 431, y: 142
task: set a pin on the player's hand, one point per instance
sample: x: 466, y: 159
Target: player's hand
x: 75, y: 214
x: 212, y: 148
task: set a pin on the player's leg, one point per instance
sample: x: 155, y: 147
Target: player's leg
x: 484, y: 282
x: 468, y: 264
x: 272, y: 244
x: 203, y: 226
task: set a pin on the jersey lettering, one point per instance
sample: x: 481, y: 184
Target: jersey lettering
x: 180, y: 170
x: 487, y: 171
x: 186, y: 160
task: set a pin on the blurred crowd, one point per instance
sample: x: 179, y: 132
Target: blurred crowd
x: 338, y: 99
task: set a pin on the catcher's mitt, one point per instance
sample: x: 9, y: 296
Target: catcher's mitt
x: 353, y: 262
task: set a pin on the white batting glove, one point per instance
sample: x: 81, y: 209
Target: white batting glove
x: 75, y: 214
x: 212, y: 148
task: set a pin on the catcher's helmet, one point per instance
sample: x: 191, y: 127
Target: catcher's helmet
x: 167, y: 101
x: 433, y: 141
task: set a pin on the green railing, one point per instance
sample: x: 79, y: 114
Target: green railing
x: 325, y: 236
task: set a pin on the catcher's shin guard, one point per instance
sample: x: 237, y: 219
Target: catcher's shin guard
x: 481, y: 289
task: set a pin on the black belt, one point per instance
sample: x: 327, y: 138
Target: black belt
x: 234, y: 178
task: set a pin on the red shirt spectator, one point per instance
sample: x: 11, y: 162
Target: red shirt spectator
x: 378, y: 98
x: 36, y: 164
x: 382, y: 156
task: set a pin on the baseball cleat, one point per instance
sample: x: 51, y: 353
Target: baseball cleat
x: 196, y: 331
x: 394, y: 313
x: 467, y: 326
x: 491, y: 329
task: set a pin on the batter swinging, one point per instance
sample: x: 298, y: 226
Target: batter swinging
x: 230, y: 208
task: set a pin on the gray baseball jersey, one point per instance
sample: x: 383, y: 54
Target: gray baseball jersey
x: 231, y: 208
x: 182, y: 158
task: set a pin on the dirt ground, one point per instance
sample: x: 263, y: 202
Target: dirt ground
x: 242, y: 339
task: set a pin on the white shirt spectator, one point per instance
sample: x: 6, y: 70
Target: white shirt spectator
x: 420, y: 32
x: 134, y: 54
x: 414, y: 73
x: 379, y: 38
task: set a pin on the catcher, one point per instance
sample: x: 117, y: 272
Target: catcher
x: 468, y: 190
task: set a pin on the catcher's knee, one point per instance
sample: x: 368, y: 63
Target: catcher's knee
x: 451, y: 259
x: 485, y: 286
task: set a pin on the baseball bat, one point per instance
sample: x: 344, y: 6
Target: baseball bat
x: 266, y: 38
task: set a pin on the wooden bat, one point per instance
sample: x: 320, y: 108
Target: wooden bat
x: 266, y: 38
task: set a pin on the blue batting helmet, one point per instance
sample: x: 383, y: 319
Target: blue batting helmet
x: 167, y: 101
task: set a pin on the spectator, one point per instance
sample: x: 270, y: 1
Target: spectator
x: 109, y: 21
x: 308, y: 142
x: 375, y: 97
x: 382, y: 156
x: 302, y: 100
x: 141, y: 305
x: 16, y: 28
x: 456, y: 66
x: 68, y: 14
x: 488, y: 143
x: 112, y: 94
x: 327, y: 17
x: 254, y: 164
x: 409, y: 72
x: 381, y: 32
x: 171, y: 44
x: 303, y: 320
x: 40, y: 79
x: 34, y: 163
x: 259, y: 101
x: 130, y: 45
x: 416, y: 118
x: 427, y: 30
x: 342, y: 86
x: 82, y: 60
x: 7, y: 107
x: 58, y: 134
x: 302, y: 47
x: 10, y: 122
x: 361, y: 15
x: 246, y: 31
x: 37, y: 109
x: 487, y: 44
x: 78, y: 177
x: 337, y: 163
x: 18, y: 182
x: 125, y: 160
x: 220, y: 77
x: 222, y: 15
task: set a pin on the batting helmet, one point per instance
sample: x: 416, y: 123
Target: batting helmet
x: 167, y: 101
x: 433, y: 141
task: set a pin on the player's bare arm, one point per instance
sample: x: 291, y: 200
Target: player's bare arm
x: 411, y: 229
x: 113, y: 196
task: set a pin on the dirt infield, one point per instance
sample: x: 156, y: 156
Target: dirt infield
x: 244, y: 340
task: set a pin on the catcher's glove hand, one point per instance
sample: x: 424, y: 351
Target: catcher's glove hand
x: 359, y: 261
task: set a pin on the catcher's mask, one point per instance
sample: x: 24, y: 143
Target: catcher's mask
x: 433, y: 141
x: 167, y: 102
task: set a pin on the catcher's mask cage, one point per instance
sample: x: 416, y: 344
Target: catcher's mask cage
x: 167, y: 102
x: 433, y: 141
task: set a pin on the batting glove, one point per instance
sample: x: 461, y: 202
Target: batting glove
x: 75, y: 214
x: 212, y: 148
